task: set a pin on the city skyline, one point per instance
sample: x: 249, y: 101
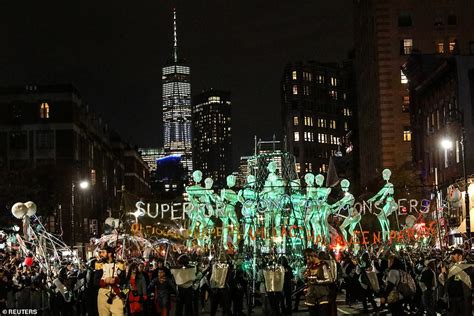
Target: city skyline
x: 116, y: 58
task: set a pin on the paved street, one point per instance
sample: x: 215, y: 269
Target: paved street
x: 355, y: 309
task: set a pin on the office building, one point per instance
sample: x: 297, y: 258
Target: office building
x: 177, y: 105
x: 212, y: 134
x: 316, y: 113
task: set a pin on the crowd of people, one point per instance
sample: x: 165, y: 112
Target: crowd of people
x: 396, y: 282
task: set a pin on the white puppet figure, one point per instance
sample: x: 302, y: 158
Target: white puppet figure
x: 248, y: 198
x: 323, y: 208
x: 312, y: 225
x: 206, y: 210
x: 347, y: 203
x: 297, y: 215
x: 229, y: 200
x: 195, y: 192
x: 273, y: 191
x: 385, y: 197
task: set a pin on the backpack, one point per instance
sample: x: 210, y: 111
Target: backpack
x: 407, y: 286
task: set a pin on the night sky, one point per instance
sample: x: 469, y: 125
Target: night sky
x: 113, y: 51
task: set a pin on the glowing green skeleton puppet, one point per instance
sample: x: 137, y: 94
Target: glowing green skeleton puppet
x: 324, y: 209
x: 312, y: 225
x: 273, y: 190
x: 385, y: 197
x: 194, y: 194
x: 206, y: 210
x: 347, y: 203
x: 229, y: 200
x: 248, y: 198
x: 297, y: 223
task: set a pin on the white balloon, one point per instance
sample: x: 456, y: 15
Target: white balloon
x: 410, y: 221
x: 19, y: 210
x: 109, y: 221
x: 116, y: 223
x: 31, y: 208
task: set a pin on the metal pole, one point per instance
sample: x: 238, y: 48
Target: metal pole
x: 73, y: 226
x: 438, y: 205
x: 466, y: 194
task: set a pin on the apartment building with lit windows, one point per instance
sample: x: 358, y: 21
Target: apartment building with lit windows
x: 316, y: 113
x: 212, y: 134
x: 386, y: 33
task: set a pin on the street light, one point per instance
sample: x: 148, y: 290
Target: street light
x: 446, y: 143
x: 83, y: 185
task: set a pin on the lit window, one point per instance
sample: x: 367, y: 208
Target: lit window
x: 322, y: 123
x: 296, y: 136
x: 295, y: 120
x: 440, y: 47
x: 295, y: 89
x: 457, y: 151
x: 403, y: 78
x: 298, y: 167
x: 452, y: 45
x: 346, y: 126
x: 406, y: 103
x: 214, y: 99
x: 308, y: 137
x: 310, y: 77
x: 333, y: 94
x: 320, y: 78
x: 323, y: 168
x: 347, y: 112
x: 333, y: 81
x: 305, y: 90
x: 308, y: 121
x: 44, y: 110
x: 322, y: 138
x: 407, y: 135
x: 406, y: 46
x: 93, y: 177
x: 332, y: 124
x: 294, y: 75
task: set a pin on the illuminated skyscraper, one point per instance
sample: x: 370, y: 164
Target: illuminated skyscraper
x: 177, y: 106
x: 212, y: 135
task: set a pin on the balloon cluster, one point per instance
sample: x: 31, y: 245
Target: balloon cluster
x: 20, y: 210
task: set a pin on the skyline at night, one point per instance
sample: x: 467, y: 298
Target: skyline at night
x: 114, y: 55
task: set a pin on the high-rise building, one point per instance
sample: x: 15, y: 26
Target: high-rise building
x: 212, y: 134
x: 316, y: 113
x: 386, y: 32
x: 151, y: 155
x: 177, y: 106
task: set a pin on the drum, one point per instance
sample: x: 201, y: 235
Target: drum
x: 61, y: 288
x: 274, y: 278
x: 374, y: 281
x: 219, y: 275
x: 184, y: 275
